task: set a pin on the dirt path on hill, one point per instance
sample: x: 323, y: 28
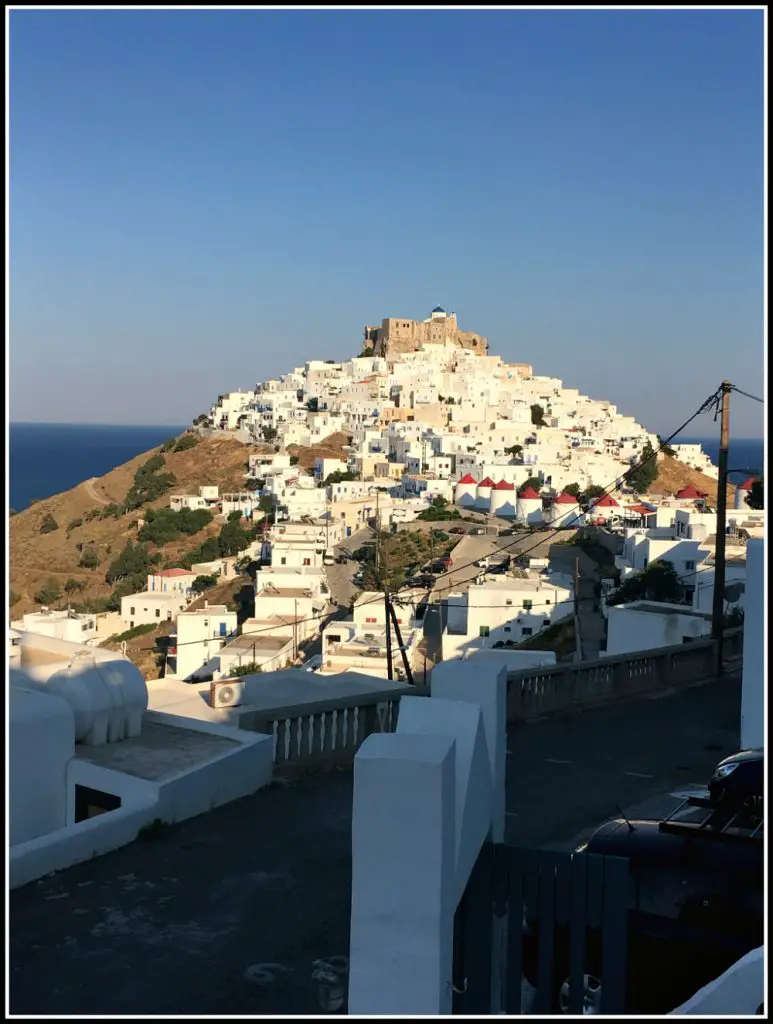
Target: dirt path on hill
x: 89, y: 485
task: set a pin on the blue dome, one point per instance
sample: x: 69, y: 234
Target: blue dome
x: 438, y: 309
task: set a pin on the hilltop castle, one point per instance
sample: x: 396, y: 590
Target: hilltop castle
x: 396, y: 336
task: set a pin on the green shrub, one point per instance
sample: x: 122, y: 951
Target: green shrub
x: 130, y: 634
x: 186, y: 442
x: 89, y: 558
x: 133, y: 561
x: 167, y: 446
x: 73, y: 524
x: 49, y: 524
x: 149, y: 484
x: 48, y: 593
x: 202, y: 583
x: 164, y: 525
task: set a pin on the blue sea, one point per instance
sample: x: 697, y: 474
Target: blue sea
x: 48, y: 458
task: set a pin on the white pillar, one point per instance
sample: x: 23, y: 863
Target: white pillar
x: 753, y: 678
x: 482, y: 681
x: 403, y: 876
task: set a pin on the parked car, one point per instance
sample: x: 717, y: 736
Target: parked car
x: 424, y: 579
x: 478, y: 531
x: 695, y: 907
x: 483, y: 563
x: 509, y: 532
x: 328, y: 560
x: 313, y: 663
x: 437, y: 567
x: 738, y: 780
x: 457, y: 529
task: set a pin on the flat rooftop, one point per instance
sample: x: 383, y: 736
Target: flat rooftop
x: 258, y: 642
x: 182, y: 923
x: 160, y: 750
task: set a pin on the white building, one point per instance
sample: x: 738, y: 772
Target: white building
x: 60, y: 625
x: 199, y: 637
x: 504, y: 608
x: 151, y: 607
x: 172, y: 581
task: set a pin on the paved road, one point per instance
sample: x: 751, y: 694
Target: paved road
x: 181, y: 925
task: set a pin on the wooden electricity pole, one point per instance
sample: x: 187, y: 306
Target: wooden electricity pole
x: 577, y: 636
x: 718, y: 609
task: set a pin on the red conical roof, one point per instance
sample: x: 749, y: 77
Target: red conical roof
x: 605, y: 501
x: 748, y: 483
x: 467, y: 479
x: 503, y: 485
x: 566, y: 499
x: 529, y: 494
x: 486, y: 482
x: 690, y: 492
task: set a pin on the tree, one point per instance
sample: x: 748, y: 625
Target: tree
x: 658, y: 582
x: 89, y: 559
x: 133, y: 564
x: 266, y: 504
x: 71, y: 586
x: 573, y: 489
x: 186, y: 442
x: 537, y: 417
x: 48, y: 593
x: 294, y: 460
x: 514, y: 450
x: 49, y: 524
x: 202, y: 583
x: 645, y: 472
x: 665, y: 447
x: 312, y: 404
x: 235, y: 516
x: 534, y: 482
x: 202, y: 421
x: 439, y: 502
x: 756, y: 497
x: 270, y: 434
x: 233, y: 539
x: 245, y: 670
x: 594, y: 491
x: 338, y: 476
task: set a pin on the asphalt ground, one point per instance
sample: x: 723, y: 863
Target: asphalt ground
x: 231, y: 912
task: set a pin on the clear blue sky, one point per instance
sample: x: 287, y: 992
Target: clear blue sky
x: 201, y: 200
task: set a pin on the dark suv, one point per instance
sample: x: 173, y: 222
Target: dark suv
x: 737, y: 781
x: 695, y: 907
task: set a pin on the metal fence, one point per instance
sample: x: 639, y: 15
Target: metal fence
x: 563, y: 926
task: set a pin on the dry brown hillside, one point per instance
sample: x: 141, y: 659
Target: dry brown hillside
x: 330, y: 447
x: 36, y: 557
x: 674, y: 475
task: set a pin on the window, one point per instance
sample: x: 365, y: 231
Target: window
x: 526, y: 630
x: 131, y: 611
x: 689, y: 566
x: 507, y: 629
x: 547, y: 600
x: 307, y: 561
x: 373, y: 620
x: 527, y: 605
x: 158, y: 613
x: 508, y: 601
x: 484, y: 631
x: 546, y: 622
x: 131, y: 624
x: 283, y: 561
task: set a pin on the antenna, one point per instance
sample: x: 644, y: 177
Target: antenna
x: 625, y: 818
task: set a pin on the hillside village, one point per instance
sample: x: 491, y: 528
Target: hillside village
x: 425, y: 465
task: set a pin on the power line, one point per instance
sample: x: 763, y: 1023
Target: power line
x: 747, y: 395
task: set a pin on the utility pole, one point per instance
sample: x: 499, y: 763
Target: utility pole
x: 718, y: 609
x: 406, y: 665
x: 577, y: 636
x: 295, y: 630
x: 378, y: 540
x: 387, y: 609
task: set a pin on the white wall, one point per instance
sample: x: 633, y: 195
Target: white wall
x: 754, y: 647
x: 629, y: 630
x: 41, y: 742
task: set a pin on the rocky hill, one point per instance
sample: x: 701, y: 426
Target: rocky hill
x: 37, y: 557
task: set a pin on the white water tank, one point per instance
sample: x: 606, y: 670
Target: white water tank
x: 107, y: 698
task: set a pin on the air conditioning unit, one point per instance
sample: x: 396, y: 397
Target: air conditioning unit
x: 226, y: 694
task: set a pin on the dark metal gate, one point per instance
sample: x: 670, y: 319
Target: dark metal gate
x: 542, y: 932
